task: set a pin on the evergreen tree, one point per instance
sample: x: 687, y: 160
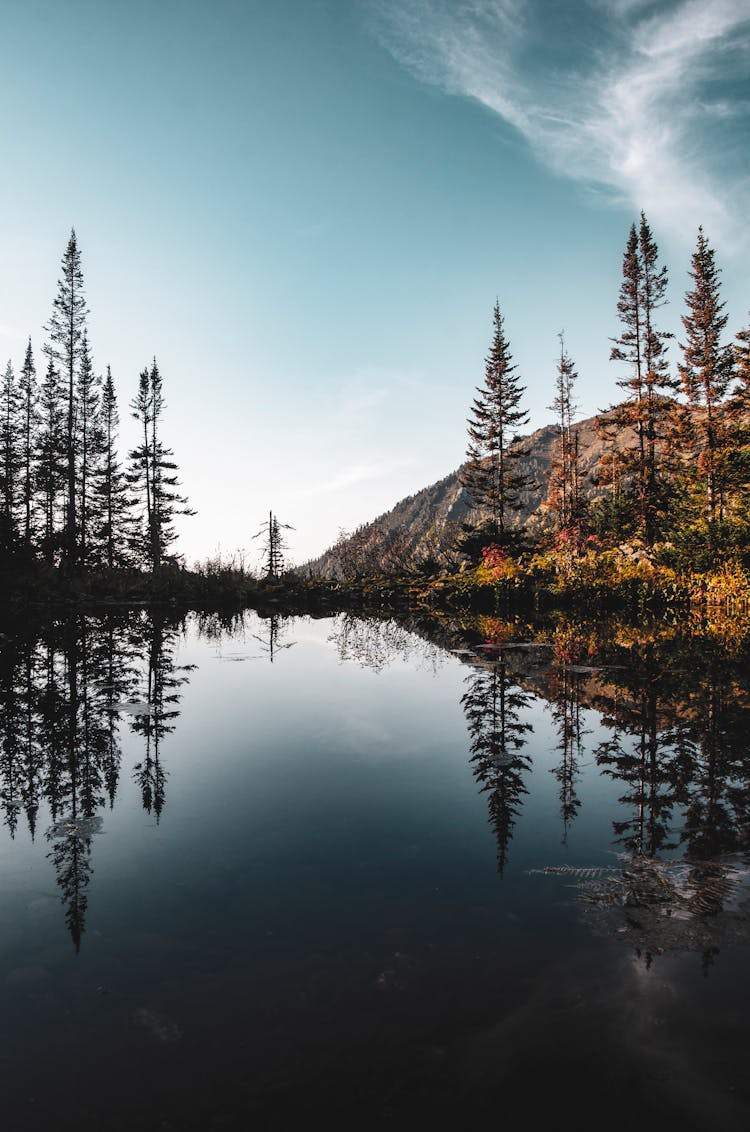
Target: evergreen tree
x: 742, y: 370
x: 642, y: 347
x: 739, y: 416
x: 66, y: 329
x: 659, y: 384
x: 489, y: 474
x: 139, y: 473
x: 10, y: 460
x: 564, y: 496
x: 50, y: 461
x: 706, y: 373
x: 111, y: 489
x: 274, y: 546
x: 29, y: 420
x: 153, y: 474
x: 88, y: 448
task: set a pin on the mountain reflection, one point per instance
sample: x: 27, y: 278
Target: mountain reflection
x: 63, y: 701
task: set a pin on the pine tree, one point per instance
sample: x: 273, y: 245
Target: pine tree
x: 642, y: 347
x: 738, y: 469
x: 66, y: 328
x: 49, y: 460
x: 659, y: 384
x: 139, y: 472
x: 489, y: 474
x: 153, y: 474
x: 564, y: 496
x: 741, y: 394
x: 706, y: 373
x: 88, y: 449
x: 10, y: 460
x: 29, y: 419
x: 274, y: 546
x: 113, y: 502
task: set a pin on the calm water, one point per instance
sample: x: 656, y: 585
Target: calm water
x: 294, y: 872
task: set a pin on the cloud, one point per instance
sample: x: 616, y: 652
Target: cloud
x: 346, y: 477
x: 632, y: 98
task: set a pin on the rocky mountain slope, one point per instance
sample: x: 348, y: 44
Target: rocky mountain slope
x: 427, y: 523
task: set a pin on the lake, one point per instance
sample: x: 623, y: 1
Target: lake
x: 262, y: 873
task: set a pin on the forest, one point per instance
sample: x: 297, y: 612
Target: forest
x: 667, y: 503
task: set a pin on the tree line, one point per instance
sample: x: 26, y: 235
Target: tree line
x: 675, y: 461
x: 66, y: 497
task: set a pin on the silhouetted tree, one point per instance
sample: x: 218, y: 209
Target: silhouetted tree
x: 274, y: 546
x: 114, y: 531
x: 66, y: 329
x: 153, y: 475
x: 29, y: 423
x: 10, y: 461
x: 89, y: 449
x: 49, y: 462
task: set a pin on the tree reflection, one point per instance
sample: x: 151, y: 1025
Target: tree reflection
x: 161, y: 680
x: 643, y: 752
x: 273, y: 641
x: 679, y: 722
x: 377, y: 643
x: 492, y: 704
x: 61, y: 703
x: 566, y: 704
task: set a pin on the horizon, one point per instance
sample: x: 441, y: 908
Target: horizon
x: 337, y: 170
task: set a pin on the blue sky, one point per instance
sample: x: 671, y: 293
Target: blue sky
x: 306, y: 209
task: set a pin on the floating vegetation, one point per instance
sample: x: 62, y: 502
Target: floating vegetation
x: 587, y: 872
x: 665, y: 906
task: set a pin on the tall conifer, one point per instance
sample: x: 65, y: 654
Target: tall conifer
x: 111, y: 489
x: 10, y: 460
x: 65, y: 329
x: 153, y: 475
x: 88, y: 448
x: 706, y: 372
x: 489, y: 474
x: 642, y: 347
x: 29, y: 420
x: 564, y: 494
x: 50, y: 466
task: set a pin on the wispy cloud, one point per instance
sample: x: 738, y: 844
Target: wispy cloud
x: 635, y: 98
x: 347, y: 477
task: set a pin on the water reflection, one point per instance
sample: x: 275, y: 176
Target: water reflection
x: 63, y: 700
x: 671, y: 715
x: 661, y: 718
x: 377, y: 642
x: 492, y: 705
x: 274, y: 639
x: 567, y: 703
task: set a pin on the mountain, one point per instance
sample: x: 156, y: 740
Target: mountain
x: 426, y: 524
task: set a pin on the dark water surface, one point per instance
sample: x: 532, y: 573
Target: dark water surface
x: 334, y: 873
